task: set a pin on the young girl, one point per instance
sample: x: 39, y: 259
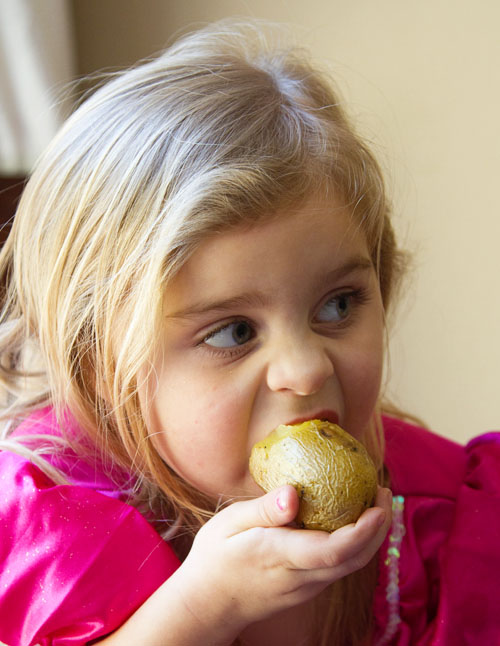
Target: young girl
x: 205, y: 252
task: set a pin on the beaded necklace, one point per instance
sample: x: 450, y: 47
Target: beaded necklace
x: 392, y: 563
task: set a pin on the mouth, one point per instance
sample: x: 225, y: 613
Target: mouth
x: 325, y: 415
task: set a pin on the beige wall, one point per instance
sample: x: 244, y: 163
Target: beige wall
x: 423, y: 80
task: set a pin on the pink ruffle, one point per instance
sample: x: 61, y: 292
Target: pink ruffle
x: 74, y: 563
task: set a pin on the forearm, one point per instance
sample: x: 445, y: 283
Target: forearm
x: 177, y: 615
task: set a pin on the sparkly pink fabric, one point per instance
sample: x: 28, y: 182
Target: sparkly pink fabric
x: 449, y: 563
x: 75, y: 561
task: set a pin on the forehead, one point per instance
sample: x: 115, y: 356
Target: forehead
x: 291, y: 248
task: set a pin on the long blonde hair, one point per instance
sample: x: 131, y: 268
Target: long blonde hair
x: 223, y: 129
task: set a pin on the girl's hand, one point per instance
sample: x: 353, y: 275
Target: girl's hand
x: 246, y: 564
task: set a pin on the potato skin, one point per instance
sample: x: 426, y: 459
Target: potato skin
x: 331, y: 471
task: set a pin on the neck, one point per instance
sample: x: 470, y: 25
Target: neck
x: 317, y: 622
x: 291, y: 627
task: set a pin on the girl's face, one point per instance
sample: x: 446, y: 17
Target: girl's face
x: 270, y: 325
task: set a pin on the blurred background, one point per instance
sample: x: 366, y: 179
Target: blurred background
x: 422, y: 83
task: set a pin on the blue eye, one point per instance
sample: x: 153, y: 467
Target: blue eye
x: 336, y: 309
x: 231, y: 335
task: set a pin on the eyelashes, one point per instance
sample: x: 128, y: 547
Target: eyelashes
x: 232, y: 334
x: 341, y: 309
x: 236, y: 336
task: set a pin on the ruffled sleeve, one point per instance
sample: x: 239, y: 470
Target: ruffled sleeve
x: 469, y: 611
x: 74, y: 563
x: 440, y: 566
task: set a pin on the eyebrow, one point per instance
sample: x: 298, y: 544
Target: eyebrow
x: 249, y: 299
x: 259, y: 299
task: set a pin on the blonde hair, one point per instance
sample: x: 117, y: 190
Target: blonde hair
x: 222, y: 130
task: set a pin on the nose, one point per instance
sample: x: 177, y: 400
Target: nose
x: 300, y: 366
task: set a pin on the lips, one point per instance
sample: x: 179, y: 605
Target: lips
x: 326, y: 415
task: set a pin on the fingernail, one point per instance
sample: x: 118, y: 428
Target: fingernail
x: 388, y: 495
x: 381, y: 518
x: 280, y: 502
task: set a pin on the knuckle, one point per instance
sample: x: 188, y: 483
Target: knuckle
x: 334, y: 561
x: 361, y: 560
x: 265, y: 513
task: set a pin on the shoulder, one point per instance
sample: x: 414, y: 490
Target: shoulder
x: 73, y: 456
x: 74, y: 563
x: 421, y: 462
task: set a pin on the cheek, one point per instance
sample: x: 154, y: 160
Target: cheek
x: 363, y: 380
x: 370, y: 378
x: 210, y: 404
x: 193, y: 417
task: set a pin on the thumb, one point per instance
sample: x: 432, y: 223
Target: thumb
x: 274, y: 509
x: 278, y: 507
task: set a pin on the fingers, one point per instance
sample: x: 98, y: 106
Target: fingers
x: 347, y: 549
x: 328, y: 556
x: 256, y: 558
x: 274, y: 509
x: 369, y: 534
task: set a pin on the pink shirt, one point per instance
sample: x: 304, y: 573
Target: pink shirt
x: 76, y: 561
x: 447, y: 559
